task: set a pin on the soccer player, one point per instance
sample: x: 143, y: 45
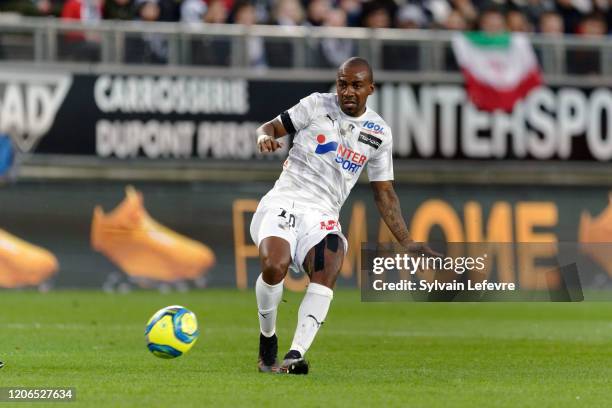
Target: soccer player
x: 335, y: 137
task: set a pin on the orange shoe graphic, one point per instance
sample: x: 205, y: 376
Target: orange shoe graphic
x: 24, y: 264
x: 143, y: 248
x: 597, y: 230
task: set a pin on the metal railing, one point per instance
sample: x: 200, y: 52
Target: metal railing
x: 48, y: 40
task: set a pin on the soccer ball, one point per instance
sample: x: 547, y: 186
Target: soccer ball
x: 171, y: 332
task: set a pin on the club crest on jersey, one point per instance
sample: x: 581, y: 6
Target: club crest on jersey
x: 349, y: 159
x: 323, y: 147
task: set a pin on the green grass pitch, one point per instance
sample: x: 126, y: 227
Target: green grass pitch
x: 366, y: 354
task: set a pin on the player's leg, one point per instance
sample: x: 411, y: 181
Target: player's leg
x: 273, y: 229
x: 322, y: 263
x: 275, y: 256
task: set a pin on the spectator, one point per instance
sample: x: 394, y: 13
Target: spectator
x: 586, y: 61
x: 571, y: 15
x: 169, y: 10
x: 316, y: 12
x: 551, y: 23
x: 193, y: 11
x: 244, y: 13
x: 392, y: 6
x: 583, y: 6
x: 352, y: 9
x: 533, y: 9
x: 467, y: 10
x: 394, y: 56
x: 405, y: 57
x: 82, y: 10
x: 289, y: 13
x: 376, y: 15
x: 263, y: 8
x: 438, y: 10
x: 518, y: 22
x: 147, y: 10
x: 151, y: 48
x: 211, y: 50
x: 593, y: 25
x: 216, y: 12
x: 334, y: 51
x: 35, y: 8
x: 81, y: 46
x: 411, y: 16
x: 455, y: 22
x: 492, y: 21
x: 279, y: 53
x: 118, y: 10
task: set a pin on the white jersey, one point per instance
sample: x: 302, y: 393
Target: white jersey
x: 330, y: 149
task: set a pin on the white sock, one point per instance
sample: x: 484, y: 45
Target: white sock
x: 268, y: 298
x: 311, y: 316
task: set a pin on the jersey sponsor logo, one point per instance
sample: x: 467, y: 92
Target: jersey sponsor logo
x: 369, y: 139
x: 349, y: 159
x: 373, y: 127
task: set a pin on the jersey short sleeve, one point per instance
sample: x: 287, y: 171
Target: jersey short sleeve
x: 300, y: 115
x: 380, y: 165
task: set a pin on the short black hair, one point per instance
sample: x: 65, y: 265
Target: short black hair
x: 239, y: 4
x: 359, y: 62
x: 594, y: 16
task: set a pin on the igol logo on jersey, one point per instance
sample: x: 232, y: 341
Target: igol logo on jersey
x: 350, y: 160
x: 373, y: 127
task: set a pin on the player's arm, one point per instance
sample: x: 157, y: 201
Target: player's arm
x: 290, y: 121
x: 268, y: 133
x: 389, y: 207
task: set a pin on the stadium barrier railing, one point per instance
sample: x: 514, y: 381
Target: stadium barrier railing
x: 49, y: 40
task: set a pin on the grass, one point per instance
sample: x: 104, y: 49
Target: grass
x: 366, y: 354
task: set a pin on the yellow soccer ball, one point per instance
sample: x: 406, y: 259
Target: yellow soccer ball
x: 171, y: 332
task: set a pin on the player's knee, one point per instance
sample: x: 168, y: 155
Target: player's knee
x: 273, y: 270
x: 275, y: 256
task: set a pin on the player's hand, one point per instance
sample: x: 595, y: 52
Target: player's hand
x: 421, y: 248
x: 267, y: 143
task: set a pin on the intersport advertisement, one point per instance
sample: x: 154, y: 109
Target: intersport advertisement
x: 210, y: 118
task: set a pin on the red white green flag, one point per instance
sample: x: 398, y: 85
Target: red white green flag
x: 499, y: 69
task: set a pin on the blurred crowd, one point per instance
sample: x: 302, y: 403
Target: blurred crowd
x: 583, y: 17
x: 550, y: 17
